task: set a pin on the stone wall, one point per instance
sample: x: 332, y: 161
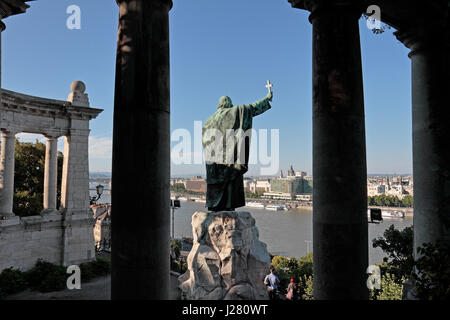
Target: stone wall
x: 24, y: 240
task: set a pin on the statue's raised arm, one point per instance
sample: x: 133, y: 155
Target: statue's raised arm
x: 262, y: 105
x: 224, y: 169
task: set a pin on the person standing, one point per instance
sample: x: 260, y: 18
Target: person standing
x: 272, y: 282
x: 292, y: 290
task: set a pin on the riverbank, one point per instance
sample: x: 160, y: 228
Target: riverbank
x: 295, y: 204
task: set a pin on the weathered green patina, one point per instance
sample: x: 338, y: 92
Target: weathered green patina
x: 224, y: 174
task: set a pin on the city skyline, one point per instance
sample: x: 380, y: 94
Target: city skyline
x: 206, y: 63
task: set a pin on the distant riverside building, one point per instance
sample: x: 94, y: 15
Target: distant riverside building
x: 278, y: 195
x: 247, y: 183
x: 304, y: 197
x: 295, y: 183
x: 256, y: 186
x: 260, y: 186
x: 373, y: 190
x: 300, y: 174
x: 174, y: 181
x: 102, y: 227
x: 197, y: 184
x: 291, y: 172
x: 394, y: 186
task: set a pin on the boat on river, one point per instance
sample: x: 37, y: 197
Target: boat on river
x: 276, y: 207
x: 254, y: 204
x: 389, y: 214
x: 392, y: 214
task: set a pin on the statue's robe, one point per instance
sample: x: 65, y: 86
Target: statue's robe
x: 225, y: 184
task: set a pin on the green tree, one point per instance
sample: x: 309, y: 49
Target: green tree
x: 391, y: 288
x: 178, y: 187
x: 29, y: 178
x: 432, y: 271
x: 300, y: 269
x: 398, y: 245
x: 306, y: 287
x: 407, y: 201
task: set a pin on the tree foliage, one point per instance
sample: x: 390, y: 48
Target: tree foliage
x: 180, y: 188
x: 391, y: 288
x: 301, y: 269
x: 432, y: 271
x: 29, y: 178
x: 398, y: 245
x: 383, y: 200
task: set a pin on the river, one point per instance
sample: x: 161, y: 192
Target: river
x: 287, y: 233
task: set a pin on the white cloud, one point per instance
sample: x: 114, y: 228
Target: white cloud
x: 100, y: 147
x: 30, y: 137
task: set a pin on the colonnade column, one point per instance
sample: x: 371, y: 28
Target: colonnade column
x: 7, y: 173
x: 430, y: 63
x: 50, y: 174
x: 75, y: 175
x: 141, y: 152
x: 340, y: 229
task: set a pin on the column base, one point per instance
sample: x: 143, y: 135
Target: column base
x: 50, y: 216
x: 7, y: 215
x: 8, y: 219
x: 49, y: 211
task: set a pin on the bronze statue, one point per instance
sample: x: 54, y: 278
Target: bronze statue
x: 226, y: 141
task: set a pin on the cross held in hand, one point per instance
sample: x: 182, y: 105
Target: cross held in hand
x: 269, y: 86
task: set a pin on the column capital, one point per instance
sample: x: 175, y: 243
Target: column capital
x: 9, y: 132
x: 51, y: 135
x: 79, y: 132
x: 425, y: 35
x: 169, y: 3
x: 316, y: 7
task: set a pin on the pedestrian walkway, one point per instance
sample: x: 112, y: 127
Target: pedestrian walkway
x: 97, y: 289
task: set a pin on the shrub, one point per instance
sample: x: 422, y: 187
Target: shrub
x: 46, y: 277
x: 391, y: 288
x: 398, y: 245
x: 12, y: 281
x: 179, y: 266
x: 286, y: 268
x: 305, y: 265
x: 432, y: 271
x: 99, y: 267
x: 305, y: 286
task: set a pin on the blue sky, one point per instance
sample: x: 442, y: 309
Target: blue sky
x: 217, y: 48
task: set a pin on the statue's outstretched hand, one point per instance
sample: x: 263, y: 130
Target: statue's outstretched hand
x: 270, y: 95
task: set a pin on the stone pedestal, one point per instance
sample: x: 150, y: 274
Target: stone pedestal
x: 227, y: 260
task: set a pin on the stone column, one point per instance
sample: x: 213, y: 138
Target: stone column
x: 50, y: 174
x: 2, y: 27
x: 429, y: 45
x: 7, y: 173
x: 75, y: 196
x: 340, y: 230
x: 141, y: 153
x: 75, y: 175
